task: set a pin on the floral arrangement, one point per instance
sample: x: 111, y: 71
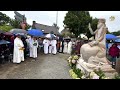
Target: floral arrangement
x: 76, y: 73
x: 72, y: 60
x: 117, y: 77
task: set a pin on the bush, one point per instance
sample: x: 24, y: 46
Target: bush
x: 100, y: 73
x: 6, y: 28
x: 117, y: 77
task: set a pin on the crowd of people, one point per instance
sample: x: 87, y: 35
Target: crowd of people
x: 22, y: 47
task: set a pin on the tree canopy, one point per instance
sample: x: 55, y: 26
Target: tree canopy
x: 55, y: 25
x: 77, y: 21
x: 4, y: 19
x: 6, y: 27
x: 117, y: 33
x: 6, y: 23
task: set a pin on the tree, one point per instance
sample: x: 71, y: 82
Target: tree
x: 4, y: 19
x: 55, y: 25
x: 108, y: 32
x: 14, y: 23
x: 117, y: 33
x: 28, y: 26
x: 68, y: 34
x: 6, y: 28
x: 77, y: 21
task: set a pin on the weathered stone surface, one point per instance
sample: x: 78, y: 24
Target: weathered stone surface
x: 117, y: 67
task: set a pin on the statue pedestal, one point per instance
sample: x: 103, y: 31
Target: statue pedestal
x: 89, y: 67
x: 118, y: 65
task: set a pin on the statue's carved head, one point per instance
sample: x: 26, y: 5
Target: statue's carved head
x: 101, y: 22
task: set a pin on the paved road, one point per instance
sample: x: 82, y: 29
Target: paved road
x: 46, y: 67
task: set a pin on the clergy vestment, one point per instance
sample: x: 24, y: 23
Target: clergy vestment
x: 34, y: 48
x: 18, y: 54
x: 46, y: 43
x: 65, y: 47
x: 50, y: 47
x: 69, y: 47
x: 30, y: 47
x: 54, y: 49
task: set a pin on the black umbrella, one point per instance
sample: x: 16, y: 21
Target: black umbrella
x: 1, y: 31
x: 16, y: 31
x: 4, y: 42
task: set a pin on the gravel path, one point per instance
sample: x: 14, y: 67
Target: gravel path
x: 46, y: 67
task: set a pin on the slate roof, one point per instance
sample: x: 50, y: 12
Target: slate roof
x: 47, y: 29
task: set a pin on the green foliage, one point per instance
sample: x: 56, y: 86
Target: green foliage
x: 14, y: 23
x: 117, y: 77
x: 108, y: 32
x: 77, y: 21
x: 28, y: 26
x: 78, y: 72
x: 6, y: 28
x: 55, y: 25
x: 100, y: 73
x: 66, y: 34
x: 4, y: 19
x: 117, y: 33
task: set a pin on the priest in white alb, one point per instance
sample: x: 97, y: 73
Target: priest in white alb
x: 50, y: 47
x: 34, y: 47
x: 54, y: 49
x: 46, y: 43
x: 65, y: 49
x: 18, y: 54
x: 69, y: 47
x: 30, y: 46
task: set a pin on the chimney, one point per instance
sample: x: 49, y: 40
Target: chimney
x: 33, y: 25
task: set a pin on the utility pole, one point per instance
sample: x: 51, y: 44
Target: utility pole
x: 56, y: 18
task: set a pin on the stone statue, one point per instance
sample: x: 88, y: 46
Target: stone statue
x: 100, y: 34
x: 97, y: 46
x: 93, y: 54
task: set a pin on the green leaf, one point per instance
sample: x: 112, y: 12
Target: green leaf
x: 77, y: 21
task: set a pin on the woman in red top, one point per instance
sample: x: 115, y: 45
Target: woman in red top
x: 114, y: 52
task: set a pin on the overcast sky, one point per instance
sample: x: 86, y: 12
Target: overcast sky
x: 49, y: 17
